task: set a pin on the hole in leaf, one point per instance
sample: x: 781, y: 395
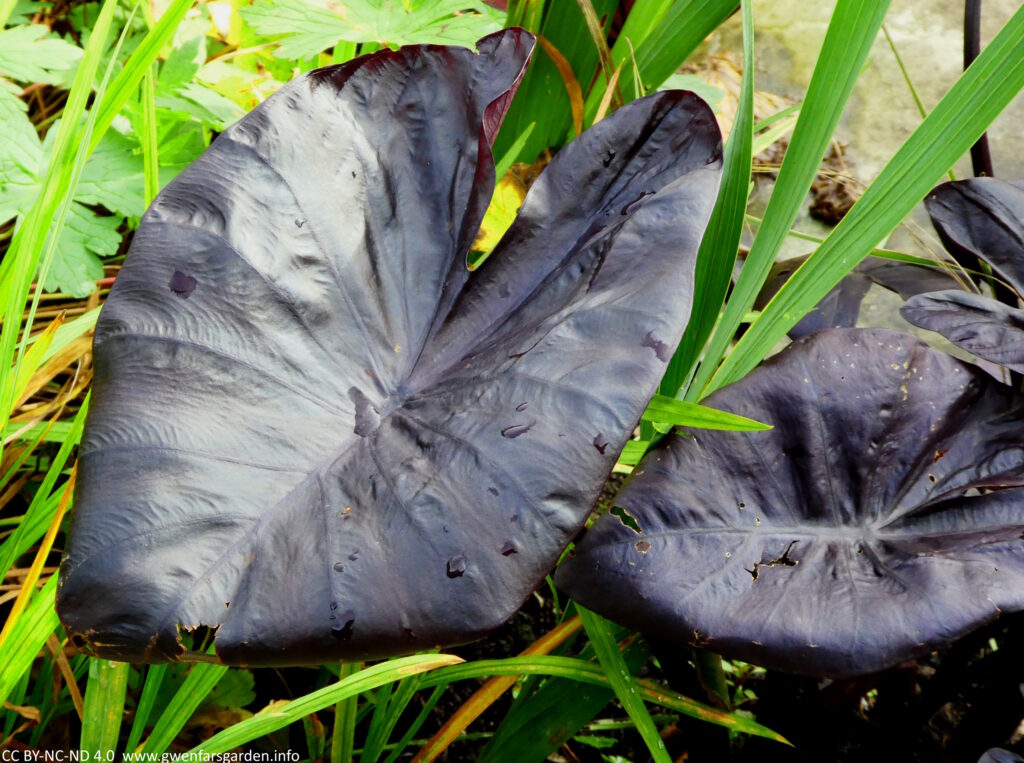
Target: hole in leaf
x: 626, y: 518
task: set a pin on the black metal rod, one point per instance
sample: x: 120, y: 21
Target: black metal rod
x: 981, y: 158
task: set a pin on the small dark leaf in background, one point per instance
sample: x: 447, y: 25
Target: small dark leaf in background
x: 324, y: 445
x: 882, y: 517
x: 984, y: 218
x: 980, y: 325
x: 841, y: 307
x: 981, y: 218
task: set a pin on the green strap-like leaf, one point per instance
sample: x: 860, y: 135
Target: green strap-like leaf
x: 959, y: 119
x: 23, y: 643
x: 850, y: 35
x: 667, y: 410
x: 276, y: 718
x: 610, y: 657
x: 717, y: 256
x: 150, y: 691
x: 104, y: 705
x: 199, y: 683
x: 588, y: 672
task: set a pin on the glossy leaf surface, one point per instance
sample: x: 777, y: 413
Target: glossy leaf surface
x: 981, y: 218
x: 313, y: 429
x: 880, y: 518
x: 980, y: 325
x: 984, y: 218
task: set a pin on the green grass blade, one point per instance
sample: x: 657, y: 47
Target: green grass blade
x: 510, y: 156
x: 6, y: 6
x: 768, y: 138
x: 196, y: 686
x: 525, y: 13
x: 633, y: 452
x: 70, y: 331
x: 542, y: 91
x: 778, y: 116
x: 587, y: 672
x: 641, y: 21
x: 380, y: 732
x: 417, y: 724
x: 960, y: 118
x: 44, y: 503
x: 610, y: 657
x: 30, y: 632
x: 850, y: 35
x: 345, y: 710
x: 126, y: 83
x: 104, y: 705
x: 906, y: 75
x: 662, y: 36
x: 667, y: 410
x: 70, y: 177
x: 21, y: 262
x: 716, y: 257
x: 150, y: 156
x: 538, y: 724
x: 150, y: 691
x: 278, y: 717
x: 371, y: 748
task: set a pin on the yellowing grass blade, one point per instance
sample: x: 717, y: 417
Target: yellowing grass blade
x: 487, y: 694
x: 30, y: 363
x: 28, y: 587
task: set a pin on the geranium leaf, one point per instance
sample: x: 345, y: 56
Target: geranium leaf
x: 31, y: 53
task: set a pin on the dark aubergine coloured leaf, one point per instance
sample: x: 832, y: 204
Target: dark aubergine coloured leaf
x: 840, y: 308
x: 980, y: 325
x: 880, y: 518
x: 983, y: 218
x: 997, y: 755
x: 312, y: 429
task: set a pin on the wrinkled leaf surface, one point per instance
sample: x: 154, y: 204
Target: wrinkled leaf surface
x: 311, y: 428
x: 880, y: 518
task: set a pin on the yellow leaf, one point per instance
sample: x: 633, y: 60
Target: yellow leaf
x: 508, y: 197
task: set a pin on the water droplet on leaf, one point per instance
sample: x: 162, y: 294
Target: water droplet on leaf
x: 512, y: 432
x: 343, y: 629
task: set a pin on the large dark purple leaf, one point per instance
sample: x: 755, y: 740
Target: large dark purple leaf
x: 880, y: 518
x: 982, y: 326
x: 312, y: 429
x: 983, y: 218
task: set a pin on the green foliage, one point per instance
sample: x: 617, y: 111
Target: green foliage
x: 110, y: 179
x: 306, y: 27
x: 31, y: 53
x: 104, y: 703
x: 850, y: 35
